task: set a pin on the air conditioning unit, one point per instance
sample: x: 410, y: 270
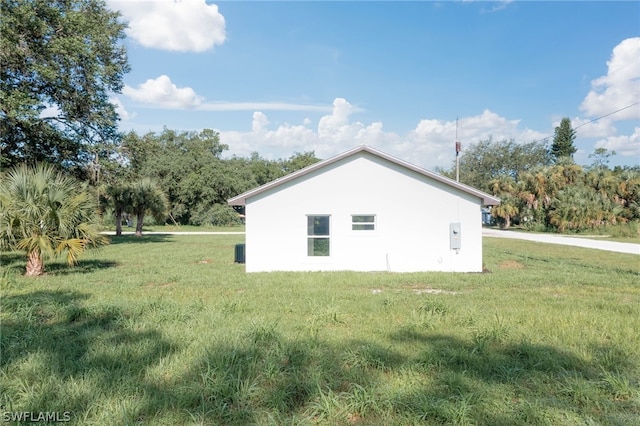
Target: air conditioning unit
x: 240, y: 251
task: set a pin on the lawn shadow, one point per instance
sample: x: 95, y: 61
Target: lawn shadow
x: 302, y: 380
x: 16, y: 263
x: 82, y: 267
x: 103, y: 359
x: 9, y: 258
x: 66, y: 357
x: 12, y: 262
x: 545, y: 384
x: 144, y: 239
x: 263, y: 377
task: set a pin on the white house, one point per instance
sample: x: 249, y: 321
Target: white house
x: 363, y: 210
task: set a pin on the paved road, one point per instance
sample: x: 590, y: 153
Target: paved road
x: 562, y: 239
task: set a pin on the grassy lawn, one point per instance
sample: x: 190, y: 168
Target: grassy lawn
x: 167, y: 330
x: 181, y: 228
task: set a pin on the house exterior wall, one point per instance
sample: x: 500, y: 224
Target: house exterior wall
x: 412, y: 212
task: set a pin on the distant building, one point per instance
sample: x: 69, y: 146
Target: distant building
x: 487, y: 219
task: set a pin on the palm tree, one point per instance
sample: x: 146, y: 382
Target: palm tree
x: 602, y: 180
x: 45, y: 213
x: 579, y: 207
x: 147, y: 197
x: 503, y: 184
x: 508, y: 190
x: 507, y: 209
x: 118, y: 197
x: 627, y: 193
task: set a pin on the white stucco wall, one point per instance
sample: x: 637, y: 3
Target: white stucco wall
x: 413, y: 213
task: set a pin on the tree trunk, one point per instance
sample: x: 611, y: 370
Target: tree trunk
x: 139, y: 222
x: 35, y: 266
x: 119, y: 223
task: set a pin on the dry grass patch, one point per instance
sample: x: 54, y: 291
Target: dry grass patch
x: 511, y: 264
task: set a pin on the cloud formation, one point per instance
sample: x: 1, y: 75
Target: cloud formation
x: 620, y: 87
x: 179, y: 26
x: 430, y: 144
x: 120, y: 109
x: 588, y: 128
x: 617, y: 97
x: 162, y: 93
x: 622, y: 145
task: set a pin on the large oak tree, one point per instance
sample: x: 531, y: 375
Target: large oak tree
x: 60, y: 61
x: 488, y: 159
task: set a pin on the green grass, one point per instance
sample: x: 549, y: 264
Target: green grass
x: 166, y: 329
x: 181, y: 228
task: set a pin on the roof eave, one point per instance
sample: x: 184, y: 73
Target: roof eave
x: 491, y: 201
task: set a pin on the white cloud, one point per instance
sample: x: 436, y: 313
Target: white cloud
x: 474, y: 128
x: 164, y: 94
x: 339, y: 118
x: 627, y: 146
x: 501, y: 5
x: 620, y: 87
x: 161, y: 92
x: 617, y: 92
x: 260, y: 121
x: 430, y: 144
x: 174, y: 25
x: 586, y: 128
x: 278, y: 143
x: 120, y: 109
x: 496, y: 6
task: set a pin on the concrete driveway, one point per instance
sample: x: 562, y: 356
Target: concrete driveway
x: 565, y: 240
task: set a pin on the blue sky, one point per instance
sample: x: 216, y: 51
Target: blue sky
x: 284, y: 77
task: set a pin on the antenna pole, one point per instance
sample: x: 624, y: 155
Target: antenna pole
x: 458, y: 149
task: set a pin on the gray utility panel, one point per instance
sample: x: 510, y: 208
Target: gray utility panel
x: 455, y: 236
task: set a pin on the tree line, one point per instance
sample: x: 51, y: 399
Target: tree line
x: 180, y: 177
x: 541, y: 188
x: 187, y: 168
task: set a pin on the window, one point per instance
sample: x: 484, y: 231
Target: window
x: 318, y: 235
x: 360, y: 222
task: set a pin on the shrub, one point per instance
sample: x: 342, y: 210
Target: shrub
x: 218, y: 215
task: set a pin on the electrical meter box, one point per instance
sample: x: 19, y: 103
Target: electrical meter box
x: 454, y: 236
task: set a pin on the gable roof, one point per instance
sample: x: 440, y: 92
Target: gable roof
x: 241, y: 200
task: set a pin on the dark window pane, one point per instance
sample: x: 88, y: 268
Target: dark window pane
x: 317, y: 225
x: 363, y: 227
x: 318, y: 246
x: 359, y: 219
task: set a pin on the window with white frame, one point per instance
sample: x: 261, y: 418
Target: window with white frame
x: 318, y: 235
x: 363, y: 222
